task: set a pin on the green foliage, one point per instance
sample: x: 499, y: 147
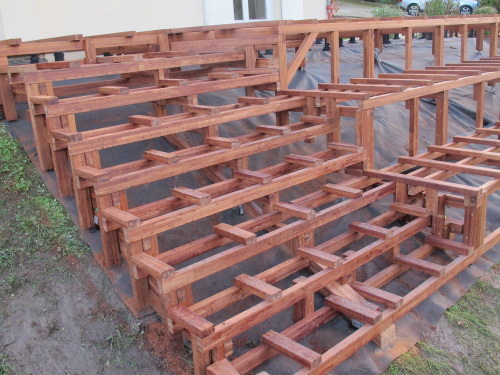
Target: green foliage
x: 389, y: 2
x: 485, y: 10
x: 5, y: 367
x: 491, y: 3
x: 387, y: 11
x: 421, y: 361
x: 441, y: 7
x: 34, y: 225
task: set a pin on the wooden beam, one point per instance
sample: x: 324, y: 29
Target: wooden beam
x: 222, y: 142
x: 390, y: 300
x: 292, y: 349
x: 235, y: 234
x: 322, y: 257
x: 194, y: 323
x: 258, y: 287
x: 161, y: 156
x: 294, y: 210
x: 113, y: 90
x: 353, y: 310
x: 253, y: 176
x: 306, y: 161
x: 153, y: 266
x: 275, y: 130
x: 144, y: 120
x: 409, y: 209
x: 371, y: 230
x: 420, y: 265
x: 446, y: 244
x: 343, y: 191
x: 191, y: 196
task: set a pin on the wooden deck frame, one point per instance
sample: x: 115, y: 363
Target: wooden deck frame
x: 421, y: 197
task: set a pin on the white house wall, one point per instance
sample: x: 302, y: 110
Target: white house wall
x: 37, y: 19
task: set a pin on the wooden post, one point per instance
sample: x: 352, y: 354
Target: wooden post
x: 464, y: 30
x: 412, y: 106
x: 438, y: 41
x: 368, y: 54
x: 335, y: 57
x: 408, y: 33
x: 494, y: 39
x: 442, y: 117
x: 479, y: 96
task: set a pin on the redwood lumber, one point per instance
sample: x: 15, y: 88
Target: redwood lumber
x: 292, y: 349
x: 191, y: 196
x: 306, y: 161
x: 153, y: 266
x: 410, y: 209
x: 257, y: 177
x: 272, y: 129
x: 420, y: 265
x: 390, y: 300
x: 222, y: 367
x: 113, y: 90
x: 222, y: 142
x: 192, y: 322
x: 343, y: 191
x: 446, y: 244
x: 235, y: 234
x: 144, y: 120
x: 258, y: 287
x: 322, y: 257
x: 294, y: 210
x: 371, y: 230
x: 353, y: 310
x: 160, y: 156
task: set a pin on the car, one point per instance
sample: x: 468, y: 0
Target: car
x: 416, y: 7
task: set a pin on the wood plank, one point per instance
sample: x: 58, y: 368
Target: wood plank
x: 430, y: 268
x: 91, y: 173
x: 258, y: 287
x: 360, y: 87
x: 253, y: 176
x: 394, y: 81
x: 346, y: 147
x: 371, y: 230
x: 294, y: 210
x: 292, y: 349
x: 447, y: 166
x: 222, y: 75
x: 316, y: 119
x: 144, y: 120
x: 67, y: 135
x: 409, y: 209
x: 161, y: 156
x: 272, y: 129
x: 194, y: 323
x: 222, y: 367
x: 172, y: 82
x: 113, y: 90
x: 322, y: 257
x: 390, y: 300
x: 345, y: 95
x: 446, y: 244
x: 467, y: 153
x: 490, y: 131
x: 479, y: 141
x: 191, y: 196
x: 122, y: 218
x: 353, y: 310
x: 59, y: 64
x: 222, y: 142
x: 343, y: 191
x: 153, y: 266
x: 235, y: 234
x: 425, y: 182
x: 44, y: 99
x: 306, y: 161
x: 203, y: 109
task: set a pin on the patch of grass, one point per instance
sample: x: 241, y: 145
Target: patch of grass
x: 422, y: 360
x: 35, y: 226
x: 123, y: 337
x: 474, y: 321
x: 5, y: 367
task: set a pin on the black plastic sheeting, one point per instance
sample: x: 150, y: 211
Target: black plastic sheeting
x: 391, y: 141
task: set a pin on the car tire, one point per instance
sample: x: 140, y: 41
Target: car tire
x: 465, y: 9
x: 413, y: 9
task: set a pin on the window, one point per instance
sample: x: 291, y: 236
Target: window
x: 249, y: 10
